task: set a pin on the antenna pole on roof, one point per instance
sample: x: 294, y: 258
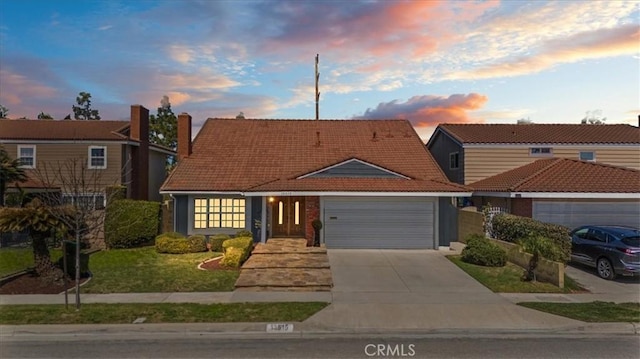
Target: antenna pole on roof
x: 317, y: 92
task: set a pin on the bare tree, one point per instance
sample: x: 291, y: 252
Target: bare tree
x: 73, y: 184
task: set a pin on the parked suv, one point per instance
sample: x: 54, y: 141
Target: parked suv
x: 612, y: 250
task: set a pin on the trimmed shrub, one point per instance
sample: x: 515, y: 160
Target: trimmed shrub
x: 482, y: 251
x: 174, y: 243
x: 216, y: 241
x: 130, y: 223
x: 243, y: 233
x: 236, y: 251
x: 510, y: 228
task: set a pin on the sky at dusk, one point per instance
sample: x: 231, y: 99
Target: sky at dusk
x: 427, y: 61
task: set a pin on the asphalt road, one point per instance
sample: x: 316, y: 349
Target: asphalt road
x: 528, y: 346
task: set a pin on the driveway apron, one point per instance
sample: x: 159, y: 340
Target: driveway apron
x: 417, y: 289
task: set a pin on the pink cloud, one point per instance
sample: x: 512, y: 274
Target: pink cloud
x: 429, y: 110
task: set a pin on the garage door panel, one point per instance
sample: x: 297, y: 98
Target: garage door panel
x: 378, y: 222
x: 575, y: 214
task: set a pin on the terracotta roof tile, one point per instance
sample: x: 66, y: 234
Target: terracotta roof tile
x: 260, y: 155
x: 63, y: 130
x: 563, y: 175
x: 543, y: 133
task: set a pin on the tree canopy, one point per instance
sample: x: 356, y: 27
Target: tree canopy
x: 10, y: 171
x: 84, y: 111
x: 163, y: 129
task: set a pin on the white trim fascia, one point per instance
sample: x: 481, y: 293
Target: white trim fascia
x: 66, y: 142
x: 360, y: 194
x: 201, y: 192
x: 554, y: 145
x: 348, y: 161
x: 582, y: 195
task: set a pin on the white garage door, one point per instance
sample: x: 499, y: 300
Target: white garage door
x: 379, y: 222
x: 575, y: 214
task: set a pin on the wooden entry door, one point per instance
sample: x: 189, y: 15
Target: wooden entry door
x: 288, y: 215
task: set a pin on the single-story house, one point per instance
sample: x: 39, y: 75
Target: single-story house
x: 371, y: 183
x: 565, y: 191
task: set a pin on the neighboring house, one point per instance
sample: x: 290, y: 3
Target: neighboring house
x: 470, y: 152
x: 566, y: 191
x: 371, y: 182
x: 115, y: 153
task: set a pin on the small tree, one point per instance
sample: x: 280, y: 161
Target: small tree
x: 4, y: 112
x: 10, y: 171
x: 84, y: 111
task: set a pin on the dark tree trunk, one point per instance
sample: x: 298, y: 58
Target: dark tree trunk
x: 44, y: 268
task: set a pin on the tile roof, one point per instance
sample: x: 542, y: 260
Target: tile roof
x: 563, y: 175
x: 63, y: 130
x: 268, y: 155
x: 543, y: 133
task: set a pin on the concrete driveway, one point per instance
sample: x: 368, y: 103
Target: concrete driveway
x: 625, y: 287
x: 418, y: 289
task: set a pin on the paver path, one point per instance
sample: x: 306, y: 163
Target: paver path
x: 286, y: 265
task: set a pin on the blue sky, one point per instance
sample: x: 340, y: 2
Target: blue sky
x: 428, y: 61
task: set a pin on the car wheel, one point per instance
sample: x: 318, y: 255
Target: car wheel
x: 605, y: 269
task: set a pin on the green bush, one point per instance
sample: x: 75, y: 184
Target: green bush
x: 482, y: 251
x: 170, y: 243
x: 236, y: 251
x: 510, y: 228
x: 130, y: 223
x: 216, y: 241
x: 243, y: 233
x: 546, y: 248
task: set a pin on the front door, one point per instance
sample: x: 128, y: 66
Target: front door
x: 288, y: 217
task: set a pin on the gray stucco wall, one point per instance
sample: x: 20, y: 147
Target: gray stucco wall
x: 448, y: 221
x: 181, y: 214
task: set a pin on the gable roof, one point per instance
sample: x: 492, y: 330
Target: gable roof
x: 61, y: 130
x: 541, y: 133
x: 253, y: 155
x: 563, y: 175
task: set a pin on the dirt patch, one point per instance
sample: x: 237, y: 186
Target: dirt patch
x: 31, y: 284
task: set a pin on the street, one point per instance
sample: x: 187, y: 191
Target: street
x: 326, y: 346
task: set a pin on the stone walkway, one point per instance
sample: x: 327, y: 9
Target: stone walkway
x: 286, y: 265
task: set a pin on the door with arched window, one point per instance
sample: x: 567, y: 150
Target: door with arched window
x: 288, y: 217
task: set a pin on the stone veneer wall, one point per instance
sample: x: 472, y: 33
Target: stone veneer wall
x: 312, y: 212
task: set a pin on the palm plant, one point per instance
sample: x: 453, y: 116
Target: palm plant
x: 10, y: 171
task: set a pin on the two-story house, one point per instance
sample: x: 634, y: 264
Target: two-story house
x: 112, y: 153
x: 558, y: 173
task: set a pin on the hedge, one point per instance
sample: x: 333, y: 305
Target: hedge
x: 481, y: 251
x: 510, y: 228
x: 216, y: 241
x: 243, y: 233
x: 130, y: 223
x: 236, y: 251
x: 175, y: 243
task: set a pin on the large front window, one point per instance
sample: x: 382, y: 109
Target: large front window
x: 219, y: 213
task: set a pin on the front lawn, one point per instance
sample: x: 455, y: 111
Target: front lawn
x: 507, y: 279
x: 593, y: 312
x: 159, y: 313
x: 17, y: 259
x: 143, y: 270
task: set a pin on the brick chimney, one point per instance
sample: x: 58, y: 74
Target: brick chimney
x: 184, y: 135
x: 139, y: 132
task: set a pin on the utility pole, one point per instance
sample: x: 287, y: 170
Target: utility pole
x: 317, y: 92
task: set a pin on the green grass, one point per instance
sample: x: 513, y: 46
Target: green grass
x: 143, y: 270
x: 593, y: 312
x: 158, y: 313
x: 507, y: 279
x: 17, y: 259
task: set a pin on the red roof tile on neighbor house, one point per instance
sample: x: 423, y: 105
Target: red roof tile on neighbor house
x: 543, y: 133
x: 60, y: 130
x: 268, y: 155
x: 563, y: 175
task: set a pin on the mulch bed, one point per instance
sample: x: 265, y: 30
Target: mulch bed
x: 31, y: 284
x: 214, y: 265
